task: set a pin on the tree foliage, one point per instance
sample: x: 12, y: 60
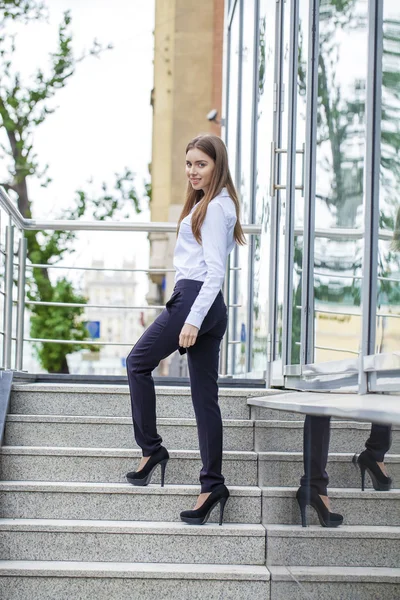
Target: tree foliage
x: 24, y: 106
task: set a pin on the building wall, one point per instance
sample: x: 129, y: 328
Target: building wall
x: 187, y: 85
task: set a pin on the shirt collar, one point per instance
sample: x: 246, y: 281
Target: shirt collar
x: 224, y: 192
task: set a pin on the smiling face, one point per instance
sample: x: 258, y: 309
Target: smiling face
x: 199, y: 169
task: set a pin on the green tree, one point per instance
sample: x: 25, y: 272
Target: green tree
x: 23, y: 108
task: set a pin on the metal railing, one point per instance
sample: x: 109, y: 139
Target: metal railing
x: 15, y: 307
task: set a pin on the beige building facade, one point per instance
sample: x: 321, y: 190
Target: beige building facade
x: 187, y: 85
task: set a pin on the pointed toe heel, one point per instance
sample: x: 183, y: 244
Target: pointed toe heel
x: 380, y: 481
x: 200, y: 516
x: 310, y: 497
x: 143, y: 477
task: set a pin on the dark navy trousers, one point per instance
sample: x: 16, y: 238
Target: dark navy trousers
x: 159, y: 341
x: 316, y: 448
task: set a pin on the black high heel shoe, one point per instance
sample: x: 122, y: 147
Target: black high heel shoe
x: 380, y: 481
x: 143, y: 477
x: 310, y: 497
x: 200, y: 516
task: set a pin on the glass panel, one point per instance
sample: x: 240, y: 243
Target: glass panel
x: 233, y: 92
x: 265, y: 86
x: 281, y: 196
x: 339, y: 178
x: 388, y: 300
x: 232, y: 133
x: 247, y: 57
x: 298, y: 194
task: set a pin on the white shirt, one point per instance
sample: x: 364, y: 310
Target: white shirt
x: 206, y: 261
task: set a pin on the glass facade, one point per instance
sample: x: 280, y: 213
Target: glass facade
x: 313, y: 103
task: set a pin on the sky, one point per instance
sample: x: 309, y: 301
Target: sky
x: 103, y: 122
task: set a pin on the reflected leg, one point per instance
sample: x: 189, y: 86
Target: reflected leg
x: 315, y: 453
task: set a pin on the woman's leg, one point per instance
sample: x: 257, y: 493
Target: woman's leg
x: 203, y: 360
x: 159, y: 341
x: 315, y: 453
x: 379, y: 441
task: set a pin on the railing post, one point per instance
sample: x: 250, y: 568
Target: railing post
x: 19, y: 349
x: 8, y: 300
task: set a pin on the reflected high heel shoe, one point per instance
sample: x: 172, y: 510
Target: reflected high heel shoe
x: 380, y: 481
x: 311, y: 497
x: 143, y: 477
x: 200, y: 516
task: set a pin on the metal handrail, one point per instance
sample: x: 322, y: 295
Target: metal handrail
x: 344, y: 234
x: 70, y: 225
x: 154, y: 227
x: 77, y: 342
x: 114, y: 270
x: 82, y: 305
x: 332, y: 349
x: 23, y: 224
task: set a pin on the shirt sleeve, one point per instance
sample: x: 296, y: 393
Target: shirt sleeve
x: 214, y: 233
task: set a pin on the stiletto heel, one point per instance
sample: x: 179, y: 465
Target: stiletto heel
x: 380, y: 481
x: 311, y: 498
x: 163, y: 467
x: 362, y: 471
x: 200, y: 516
x: 303, y: 512
x: 221, y: 509
x: 143, y: 477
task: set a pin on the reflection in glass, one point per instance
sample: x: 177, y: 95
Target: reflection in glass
x: 245, y: 192
x: 265, y: 87
x: 388, y: 299
x: 339, y: 177
x: 281, y: 197
x: 231, y: 136
x: 232, y: 125
x: 294, y: 350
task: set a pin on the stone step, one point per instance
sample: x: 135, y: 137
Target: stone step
x: 284, y: 469
x: 105, y: 465
x: 115, y: 432
x: 287, y: 436
x: 344, y: 546
x: 279, y: 506
x: 31, y: 580
x: 335, y: 583
x: 144, y: 541
x: 114, y: 401
x: 119, y: 501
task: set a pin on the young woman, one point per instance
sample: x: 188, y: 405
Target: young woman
x: 193, y: 321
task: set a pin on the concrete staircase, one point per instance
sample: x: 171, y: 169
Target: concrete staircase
x: 71, y: 527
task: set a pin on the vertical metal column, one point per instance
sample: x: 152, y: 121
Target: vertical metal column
x: 19, y: 349
x: 307, y: 296
x: 8, y: 300
x: 253, y: 192
x: 225, y: 345
x: 238, y: 167
x: 371, y: 182
x: 290, y: 186
x: 275, y: 197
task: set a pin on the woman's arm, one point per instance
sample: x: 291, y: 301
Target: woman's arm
x: 214, y: 233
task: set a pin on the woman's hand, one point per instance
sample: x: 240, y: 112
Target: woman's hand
x: 188, y: 336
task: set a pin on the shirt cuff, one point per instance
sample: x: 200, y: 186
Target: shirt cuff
x: 194, y: 319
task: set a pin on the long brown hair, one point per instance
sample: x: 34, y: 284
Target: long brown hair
x: 215, y: 148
